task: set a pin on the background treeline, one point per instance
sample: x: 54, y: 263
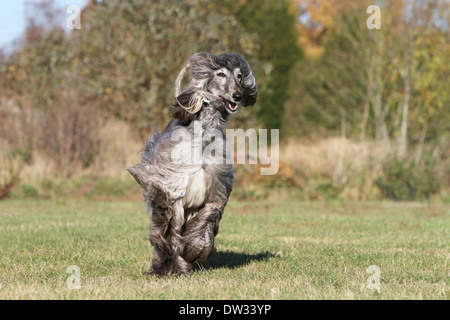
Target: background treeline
x: 363, y: 114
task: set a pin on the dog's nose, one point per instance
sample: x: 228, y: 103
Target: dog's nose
x: 238, y: 96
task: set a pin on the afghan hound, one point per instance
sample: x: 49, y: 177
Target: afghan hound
x: 185, y: 185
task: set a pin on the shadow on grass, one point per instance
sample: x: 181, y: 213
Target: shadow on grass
x: 231, y: 260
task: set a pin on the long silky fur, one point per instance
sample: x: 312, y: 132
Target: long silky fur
x: 183, y: 237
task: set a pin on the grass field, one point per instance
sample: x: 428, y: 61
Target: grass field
x: 264, y: 250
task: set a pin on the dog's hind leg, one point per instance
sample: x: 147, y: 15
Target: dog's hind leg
x: 165, y: 235
x: 199, y: 234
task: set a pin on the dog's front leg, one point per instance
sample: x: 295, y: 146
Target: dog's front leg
x: 165, y: 234
x: 199, y: 233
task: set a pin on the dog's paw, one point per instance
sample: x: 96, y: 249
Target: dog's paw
x: 177, y: 266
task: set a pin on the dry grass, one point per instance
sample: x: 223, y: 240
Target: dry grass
x: 328, y: 168
x: 334, y: 157
x: 119, y: 148
x: 349, y: 166
x: 115, y: 148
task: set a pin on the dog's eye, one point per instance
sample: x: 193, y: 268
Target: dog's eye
x: 239, y: 77
x: 221, y: 74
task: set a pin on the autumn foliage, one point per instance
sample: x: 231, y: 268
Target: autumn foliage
x: 81, y: 103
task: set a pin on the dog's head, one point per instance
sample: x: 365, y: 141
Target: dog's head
x: 226, y: 80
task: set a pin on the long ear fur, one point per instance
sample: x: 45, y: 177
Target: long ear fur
x: 187, y: 104
x: 190, y: 101
x: 249, y: 85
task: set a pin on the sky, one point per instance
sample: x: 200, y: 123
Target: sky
x: 12, y: 17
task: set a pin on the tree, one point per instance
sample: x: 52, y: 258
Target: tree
x: 126, y: 57
x: 386, y: 84
x: 332, y: 88
x: 414, y: 42
x: 278, y: 51
x: 316, y: 19
x: 122, y: 63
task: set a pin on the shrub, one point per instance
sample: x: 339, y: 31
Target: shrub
x: 405, y: 180
x: 10, y: 168
x: 29, y: 191
x: 71, y: 136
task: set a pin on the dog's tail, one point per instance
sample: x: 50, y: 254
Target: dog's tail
x: 141, y: 171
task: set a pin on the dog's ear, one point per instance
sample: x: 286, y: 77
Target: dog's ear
x: 190, y: 101
x: 186, y: 105
x: 248, y: 85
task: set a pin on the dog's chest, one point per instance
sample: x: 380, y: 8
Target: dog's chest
x: 215, y: 167
x: 196, y: 190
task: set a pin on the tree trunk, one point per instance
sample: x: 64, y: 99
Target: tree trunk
x: 369, y: 90
x: 421, y: 143
x: 403, y: 139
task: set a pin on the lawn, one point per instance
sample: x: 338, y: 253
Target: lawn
x: 264, y: 250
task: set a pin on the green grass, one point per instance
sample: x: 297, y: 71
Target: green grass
x: 264, y: 250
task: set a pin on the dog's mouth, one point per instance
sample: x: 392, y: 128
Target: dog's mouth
x: 229, y: 105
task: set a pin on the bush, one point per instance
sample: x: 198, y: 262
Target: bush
x: 71, y: 136
x: 10, y: 168
x: 403, y: 180
x: 278, y: 50
x: 29, y: 191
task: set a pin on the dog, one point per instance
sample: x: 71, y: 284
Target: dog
x: 187, y: 198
